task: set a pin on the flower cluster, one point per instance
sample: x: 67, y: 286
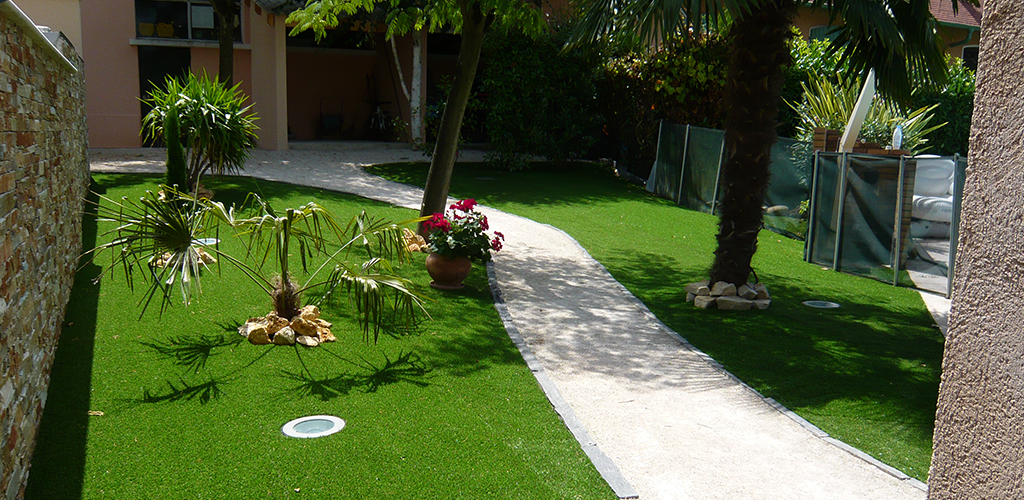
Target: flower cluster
x: 461, y: 232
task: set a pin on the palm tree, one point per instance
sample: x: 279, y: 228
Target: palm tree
x: 895, y: 37
x: 168, y: 240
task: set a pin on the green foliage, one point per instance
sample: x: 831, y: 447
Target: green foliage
x: 461, y: 232
x: 165, y: 239
x: 955, y: 107
x: 829, y: 105
x: 541, y: 101
x: 216, y: 126
x: 682, y: 83
x: 177, y: 172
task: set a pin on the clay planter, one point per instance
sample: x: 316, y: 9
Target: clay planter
x: 448, y: 274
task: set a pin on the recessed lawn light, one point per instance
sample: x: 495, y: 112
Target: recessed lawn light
x: 313, y: 427
x: 820, y: 304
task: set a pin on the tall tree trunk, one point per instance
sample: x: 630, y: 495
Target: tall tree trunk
x: 753, y: 92
x: 225, y: 10
x: 435, y: 193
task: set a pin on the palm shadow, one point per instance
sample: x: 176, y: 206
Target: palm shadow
x: 193, y: 352
x: 368, y: 376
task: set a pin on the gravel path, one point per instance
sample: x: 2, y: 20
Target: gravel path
x: 665, y: 415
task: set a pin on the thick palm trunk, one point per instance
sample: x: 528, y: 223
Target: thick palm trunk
x: 435, y: 193
x: 225, y: 10
x: 753, y: 91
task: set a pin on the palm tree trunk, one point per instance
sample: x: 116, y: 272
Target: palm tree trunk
x: 225, y: 10
x: 753, y: 92
x: 435, y: 193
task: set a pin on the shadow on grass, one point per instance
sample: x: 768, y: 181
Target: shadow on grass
x: 541, y: 184
x: 58, y: 462
x: 803, y: 357
x: 193, y: 351
x: 368, y: 376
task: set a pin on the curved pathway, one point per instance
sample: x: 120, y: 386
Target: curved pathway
x: 667, y: 416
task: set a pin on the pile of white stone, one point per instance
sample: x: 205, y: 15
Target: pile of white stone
x: 727, y: 297
x: 307, y: 329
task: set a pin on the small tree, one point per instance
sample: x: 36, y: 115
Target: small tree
x: 216, y: 126
x: 177, y: 172
x: 178, y: 230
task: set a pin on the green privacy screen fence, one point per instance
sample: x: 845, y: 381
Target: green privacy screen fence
x: 688, y: 171
x: 854, y: 212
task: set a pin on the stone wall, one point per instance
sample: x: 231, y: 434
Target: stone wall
x: 44, y: 175
x: 979, y: 423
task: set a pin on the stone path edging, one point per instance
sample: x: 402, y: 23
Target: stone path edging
x: 604, y: 465
x: 813, y: 429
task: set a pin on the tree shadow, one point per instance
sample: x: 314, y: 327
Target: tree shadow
x: 192, y: 351
x: 205, y: 392
x: 367, y: 376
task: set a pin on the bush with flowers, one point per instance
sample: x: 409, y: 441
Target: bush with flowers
x: 461, y: 232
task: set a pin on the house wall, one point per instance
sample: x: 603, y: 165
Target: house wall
x: 64, y: 16
x: 44, y: 174
x: 979, y: 423
x: 112, y: 83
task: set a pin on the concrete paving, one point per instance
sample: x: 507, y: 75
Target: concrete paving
x: 670, y: 422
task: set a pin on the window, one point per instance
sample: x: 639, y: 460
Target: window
x: 179, y: 19
x: 827, y: 33
x: 970, y: 57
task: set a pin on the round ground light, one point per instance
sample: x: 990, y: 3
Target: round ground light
x: 313, y: 427
x: 820, y: 304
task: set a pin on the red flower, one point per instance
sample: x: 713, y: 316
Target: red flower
x: 464, y: 205
x: 437, y: 221
x: 499, y: 235
x: 496, y: 244
x: 483, y: 223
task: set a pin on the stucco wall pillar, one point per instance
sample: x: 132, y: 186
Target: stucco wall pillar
x: 269, y: 79
x: 979, y: 431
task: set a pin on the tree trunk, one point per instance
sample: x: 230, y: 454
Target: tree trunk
x: 225, y: 10
x: 435, y: 193
x: 753, y: 92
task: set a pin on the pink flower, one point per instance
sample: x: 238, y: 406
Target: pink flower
x: 483, y: 223
x: 437, y: 221
x: 496, y: 244
x: 464, y: 205
x: 499, y: 235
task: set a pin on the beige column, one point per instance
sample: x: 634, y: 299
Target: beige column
x: 269, y: 79
x: 979, y: 425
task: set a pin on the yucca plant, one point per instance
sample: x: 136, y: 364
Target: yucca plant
x: 829, y: 104
x: 178, y: 229
x: 216, y: 127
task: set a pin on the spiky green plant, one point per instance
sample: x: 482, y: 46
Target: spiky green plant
x: 216, y: 126
x: 177, y: 172
x: 829, y: 104
x: 176, y: 228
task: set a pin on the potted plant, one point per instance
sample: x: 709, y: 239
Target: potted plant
x: 455, y: 238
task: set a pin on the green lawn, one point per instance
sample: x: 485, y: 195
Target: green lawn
x: 190, y: 410
x: 867, y: 373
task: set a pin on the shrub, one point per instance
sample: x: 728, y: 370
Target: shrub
x: 218, y: 130
x: 683, y: 82
x: 540, y: 100
x: 955, y: 107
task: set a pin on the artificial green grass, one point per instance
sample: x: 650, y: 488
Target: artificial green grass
x: 191, y: 410
x: 867, y: 373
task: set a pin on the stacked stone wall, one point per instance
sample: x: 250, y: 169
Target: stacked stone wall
x: 44, y: 175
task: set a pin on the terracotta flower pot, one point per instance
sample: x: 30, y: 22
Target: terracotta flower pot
x: 448, y: 274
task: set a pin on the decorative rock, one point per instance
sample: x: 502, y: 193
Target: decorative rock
x: 762, y: 291
x: 693, y: 287
x: 307, y: 341
x: 733, y: 303
x: 723, y: 289
x: 323, y: 324
x: 704, y: 301
x: 309, y: 313
x: 704, y: 291
x: 258, y: 335
x: 276, y: 325
x: 284, y: 336
x: 690, y: 296
x: 303, y: 327
x: 326, y: 336
x: 746, y: 292
x: 762, y: 303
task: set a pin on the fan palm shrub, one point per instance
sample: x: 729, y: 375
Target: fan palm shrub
x: 175, y: 231
x: 216, y: 127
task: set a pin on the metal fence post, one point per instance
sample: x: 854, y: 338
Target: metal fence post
x: 812, y: 210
